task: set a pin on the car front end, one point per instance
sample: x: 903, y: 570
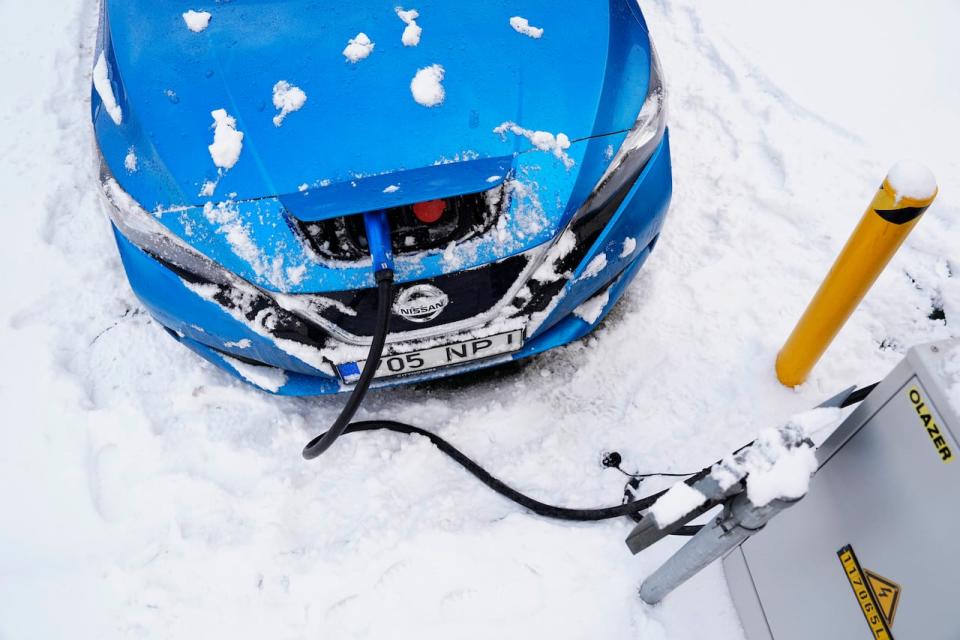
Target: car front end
x: 511, y: 238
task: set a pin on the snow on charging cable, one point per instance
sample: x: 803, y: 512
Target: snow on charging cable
x: 287, y: 98
x: 777, y: 466
x: 543, y: 140
x: 411, y: 34
x: 101, y: 82
x: 227, y: 141
x: 358, y: 48
x: 680, y: 500
x: 780, y: 462
x: 426, y: 86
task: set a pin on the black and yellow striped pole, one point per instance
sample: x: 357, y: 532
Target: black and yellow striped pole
x: 906, y: 193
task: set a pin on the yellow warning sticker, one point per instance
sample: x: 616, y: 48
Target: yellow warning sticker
x: 877, y: 596
x: 886, y: 592
x: 938, y: 436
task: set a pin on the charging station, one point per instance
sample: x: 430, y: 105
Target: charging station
x: 872, y: 550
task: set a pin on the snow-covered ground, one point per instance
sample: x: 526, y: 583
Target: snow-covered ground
x: 145, y: 494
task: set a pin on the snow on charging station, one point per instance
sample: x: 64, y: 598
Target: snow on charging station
x: 854, y: 537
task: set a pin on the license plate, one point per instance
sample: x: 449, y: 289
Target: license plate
x: 435, y: 357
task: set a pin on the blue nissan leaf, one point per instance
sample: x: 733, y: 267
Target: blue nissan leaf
x: 268, y: 166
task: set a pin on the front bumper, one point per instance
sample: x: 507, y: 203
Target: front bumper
x: 294, y: 355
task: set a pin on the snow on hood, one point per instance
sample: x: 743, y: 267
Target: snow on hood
x: 586, y: 76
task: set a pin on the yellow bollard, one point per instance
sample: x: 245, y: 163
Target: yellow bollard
x: 906, y: 193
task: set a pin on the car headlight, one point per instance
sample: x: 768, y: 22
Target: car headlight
x: 143, y: 229
x: 640, y: 144
x: 569, y: 248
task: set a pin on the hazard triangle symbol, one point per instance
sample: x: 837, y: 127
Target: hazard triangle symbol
x: 887, y: 593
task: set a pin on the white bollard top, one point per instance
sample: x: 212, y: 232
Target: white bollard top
x: 912, y: 180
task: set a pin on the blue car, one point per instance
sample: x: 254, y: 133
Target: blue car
x: 515, y: 154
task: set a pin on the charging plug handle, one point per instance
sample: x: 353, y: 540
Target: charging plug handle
x: 378, y: 239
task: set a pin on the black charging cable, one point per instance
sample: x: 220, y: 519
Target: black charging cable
x: 316, y: 447
x: 378, y: 238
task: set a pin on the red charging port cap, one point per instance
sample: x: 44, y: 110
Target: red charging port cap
x: 430, y: 211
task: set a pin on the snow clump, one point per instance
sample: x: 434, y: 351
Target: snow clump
x: 547, y: 272
x: 543, y: 140
x: 912, y: 180
x: 426, y: 86
x: 358, y: 48
x: 591, y: 310
x: 411, y: 34
x: 130, y: 161
x: 267, y: 378
x: 680, y: 500
x: 101, y: 82
x: 287, y: 99
x: 522, y: 25
x: 227, y: 141
x: 779, y: 464
x: 197, y: 21
x: 595, y: 267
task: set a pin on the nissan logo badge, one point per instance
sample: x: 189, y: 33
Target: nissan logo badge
x: 421, y: 303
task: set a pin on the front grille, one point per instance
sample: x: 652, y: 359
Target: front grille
x: 465, y: 217
x: 470, y: 293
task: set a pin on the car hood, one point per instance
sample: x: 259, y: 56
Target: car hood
x: 586, y: 76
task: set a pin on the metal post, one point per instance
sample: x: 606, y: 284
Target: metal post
x: 740, y: 520
x: 885, y: 225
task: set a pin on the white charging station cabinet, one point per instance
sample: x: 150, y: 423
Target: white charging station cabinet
x: 873, y: 550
